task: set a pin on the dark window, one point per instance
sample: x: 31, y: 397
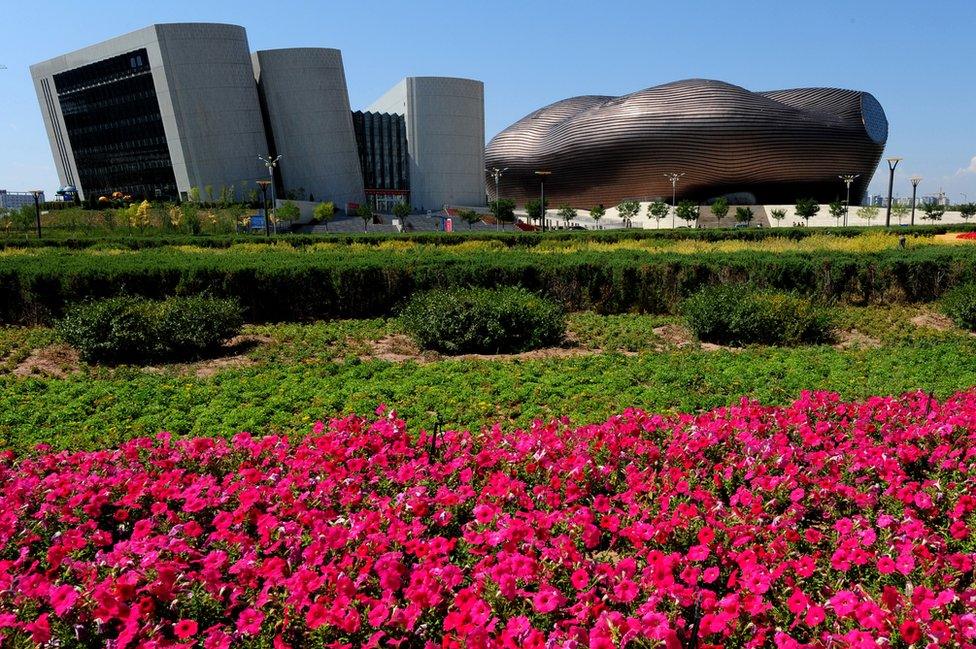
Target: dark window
x: 382, y: 142
x: 112, y: 117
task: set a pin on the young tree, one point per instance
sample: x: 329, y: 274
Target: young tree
x: 720, y: 207
x: 402, y: 210
x: 778, y: 214
x: 597, y: 213
x: 194, y: 195
x: 868, y: 213
x: 900, y: 210
x: 836, y: 210
x: 567, y: 214
x: 365, y: 212
x: 288, y: 212
x: 503, y: 210
x: 469, y: 216
x: 627, y: 211
x: 687, y: 211
x: 658, y: 210
x: 140, y: 215
x: 743, y: 214
x: 807, y: 208
x: 967, y: 211
x: 534, y: 209
x: 324, y: 213
x: 933, y: 211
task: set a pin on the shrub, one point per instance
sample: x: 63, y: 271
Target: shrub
x: 735, y: 315
x: 960, y: 305
x: 131, y: 329
x: 480, y: 320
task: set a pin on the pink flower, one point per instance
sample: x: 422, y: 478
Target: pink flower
x: 579, y: 579
x: 546, y: 600
x: 815, y: 615
x: 886, y: 565
x: 185, y: 629
x: 843, y: 602
x: 63, y: 598
x: 249, y: 621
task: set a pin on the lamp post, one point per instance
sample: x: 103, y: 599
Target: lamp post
x: 673, y: 177
x: 263, y: 184
x: 36, y: 193
x: 271, y: 164
x: 915, y: 180
x: 496, y: 173
x: 542, y: 197
x: 848, y: 180
x: 892, y: 163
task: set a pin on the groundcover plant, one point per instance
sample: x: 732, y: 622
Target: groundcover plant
x: 822, y: 523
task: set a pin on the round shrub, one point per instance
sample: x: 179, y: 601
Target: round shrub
x: 481, y: 320
x: 737, y: 315
x: 959, y: 304
x: 132, y: 329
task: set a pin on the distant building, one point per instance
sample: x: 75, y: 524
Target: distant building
x: 15, y: 200
x: 877, y: 200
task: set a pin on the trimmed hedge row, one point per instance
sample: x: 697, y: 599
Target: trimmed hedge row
x: 509, y: 238
x: 271, y: 286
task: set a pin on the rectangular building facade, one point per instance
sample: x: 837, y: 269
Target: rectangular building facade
x: 16, y: 200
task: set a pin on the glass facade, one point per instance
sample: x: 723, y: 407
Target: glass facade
x: 382, y: 142
x: 113, y: 121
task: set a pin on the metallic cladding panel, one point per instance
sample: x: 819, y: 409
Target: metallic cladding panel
x: 778, y: 146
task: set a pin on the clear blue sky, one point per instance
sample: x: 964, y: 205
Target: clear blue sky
x: 918, y: 59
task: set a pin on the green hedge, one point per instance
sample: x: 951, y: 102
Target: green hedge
x: 960, y: 305
x: 275, y: 286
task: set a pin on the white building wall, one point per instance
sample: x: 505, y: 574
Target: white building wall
x: 307, y: 102
x: 445, y: 119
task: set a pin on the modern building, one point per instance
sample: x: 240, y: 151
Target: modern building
x: 172, y: 107
x: 16, y: 200
x: 774, y: 147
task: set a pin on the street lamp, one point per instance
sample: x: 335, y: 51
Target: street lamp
x: 542, y: 194
x: 915, y: 180
x: 37, y: 193
x: 848, y: 180
x: 263, y: 184
x: 892, y: 163
x: 271, y: 164
x: 496, y: 173
x: 673, y: 177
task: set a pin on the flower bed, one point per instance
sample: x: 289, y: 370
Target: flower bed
x: 743, y: 526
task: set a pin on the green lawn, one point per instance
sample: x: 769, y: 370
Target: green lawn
x: 301, y: 372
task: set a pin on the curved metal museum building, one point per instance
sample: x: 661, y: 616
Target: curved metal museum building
x: 777, y: 146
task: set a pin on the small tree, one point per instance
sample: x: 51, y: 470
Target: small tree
x: 597, y: 213
x: 868, y: 213
x: 900, y: 210
x: 720, y: 207
x: 567, y: 214
x: 807, y: 208
x: 778, y: 214
x: 469, y: 216
x: 402, y: 210
x: 194, y: 195
x: 687, y: 211
x: 627, y: 211
x: 933, y: 211
x: 534, y: 209
x: 743, y: 214
x: 967, y: 211
x: 836, y: 210
x: 658, y: 210
x: 503, y: 210
x: 324, y: 213
x: 288, y: 212
x: 365, y: 212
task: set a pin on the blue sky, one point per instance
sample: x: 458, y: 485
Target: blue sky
x: 918, y: 59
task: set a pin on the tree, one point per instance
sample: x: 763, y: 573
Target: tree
x: 900, y: 210
x: 778, y: 214
x: 365, y: 212
x: 193, y: 195
x: 627, y: 211
x: 288, y: 212
x: 687, y: 211
x: 503, y: 210
x: 743, y: 214
x: 658, y: 210
x: 324, y: 213
x: 806, y: 208
x: 597, y: 213
x: 567, y: 214
x: 139, y: 217
x: 402, y: 210
x: 534, y: 209
x: 720, y: 207
x: 469, y: 216
x: 967, y: 211
x: 836, y: 210
x: 868, y: 213
x: 933, y: 211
